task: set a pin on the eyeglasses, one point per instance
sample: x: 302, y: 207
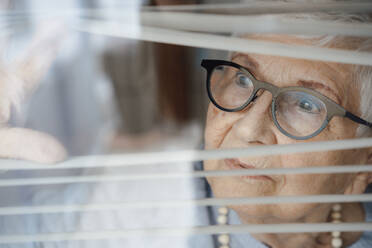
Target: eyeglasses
x: 298, y: 112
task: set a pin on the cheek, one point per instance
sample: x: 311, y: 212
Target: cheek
x: 310, y: 184
x: 210, y: 165
x: 315, y: 184
x: 217, y: 126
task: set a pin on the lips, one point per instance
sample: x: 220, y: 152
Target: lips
x: 235, y: 164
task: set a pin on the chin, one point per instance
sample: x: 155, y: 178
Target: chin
x: 237, y: 187
x: 253, y: 214
x: 282, y: 213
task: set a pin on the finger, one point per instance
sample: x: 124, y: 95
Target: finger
x: 26, y: 144
x: 11, y: 93
x: 21, y: 78
x: 4, y: 109
x: 33, y: 65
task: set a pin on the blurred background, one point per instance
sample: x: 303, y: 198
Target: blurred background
x: 101, y: 95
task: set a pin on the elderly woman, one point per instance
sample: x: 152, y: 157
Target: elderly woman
x: 260, y: 100
x: 265, y: 100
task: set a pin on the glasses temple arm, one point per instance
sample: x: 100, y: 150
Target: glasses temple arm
x: 357, y: 119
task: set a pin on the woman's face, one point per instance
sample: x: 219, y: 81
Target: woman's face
x: 254, y: 126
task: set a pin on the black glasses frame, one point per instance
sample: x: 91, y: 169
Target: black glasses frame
x: 333, y: 109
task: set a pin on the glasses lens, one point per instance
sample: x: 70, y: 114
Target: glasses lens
x: 299, y: 114
x: 230, y: 87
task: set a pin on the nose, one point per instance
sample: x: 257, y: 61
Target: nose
x: 255, y: 124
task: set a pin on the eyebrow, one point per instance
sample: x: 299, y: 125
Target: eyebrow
x: 248, y: 60
x: 317, y: 85
x: 252, y: 63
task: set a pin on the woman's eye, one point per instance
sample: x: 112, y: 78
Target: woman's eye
x: 243, y: 81
x: 219, y: 68
x: 308, y: 106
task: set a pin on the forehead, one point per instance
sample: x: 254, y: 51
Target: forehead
x: 287, y: 70
x: 327, y: 68
x: 331, y: 67
x: 291, y: 69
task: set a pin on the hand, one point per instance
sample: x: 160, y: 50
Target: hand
x: 18, y: 80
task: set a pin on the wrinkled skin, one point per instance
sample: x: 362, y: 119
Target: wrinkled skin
x: 254, y: 126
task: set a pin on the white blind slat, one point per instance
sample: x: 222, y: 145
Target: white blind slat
x: 188, y: 155
x: 211, y: 23
x: 184, y: 203
x: 177, y: 175
x: 219, y: 42
x: 205, y: 230
x: 271, y: 7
